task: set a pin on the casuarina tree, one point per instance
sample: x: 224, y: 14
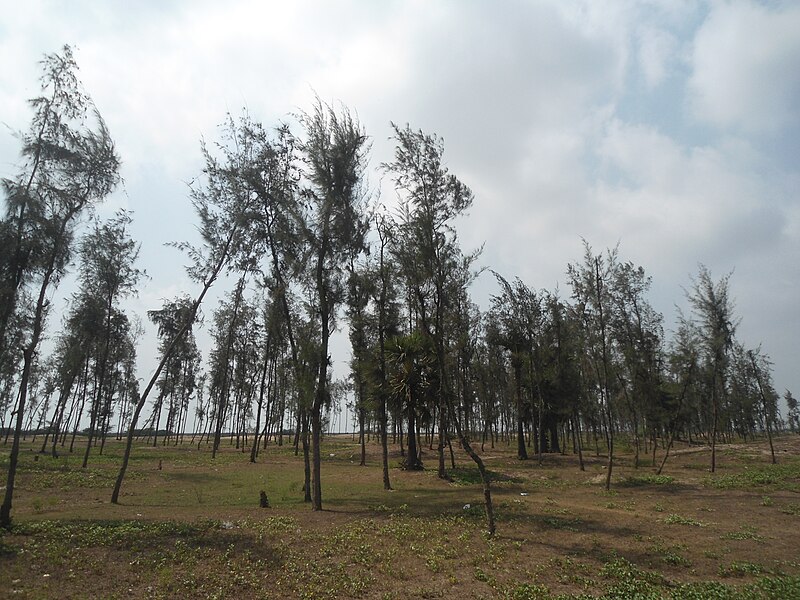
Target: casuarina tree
x: 224, y: 203
x: 69, y: 164
x: 335, y: 153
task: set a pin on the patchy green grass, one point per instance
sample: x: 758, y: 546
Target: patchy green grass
x: 647, y: 479
x: 746, y: 532
x: 466, y: 475
x: 784, y: 476
x: 194, y: 528
x: 791, y: 509
x: 674, y: 519
x: 741, y: 569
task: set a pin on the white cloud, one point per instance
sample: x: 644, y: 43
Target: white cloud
x: 745, y: 67
x: 657, y: 53
x: 529, y: 98
x: 678, y: 206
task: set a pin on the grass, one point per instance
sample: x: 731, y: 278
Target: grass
x: 673, y: 519
x: 195, y: 529
x: 764, y: 476
x: 647, y: 479
x: 746, y: 532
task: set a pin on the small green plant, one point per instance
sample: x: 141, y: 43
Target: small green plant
x: 528, y: 591
x: 704, y: 590
x: 671, y: 555
x: 791, y: 509
x: 782, y: 476
x: 433, y: 564
x: 630, y: 581
x: 741, y: 569
x: 747, y: 533
x: 647, y: 479
x: 674, y: 519
x: 562, y: 523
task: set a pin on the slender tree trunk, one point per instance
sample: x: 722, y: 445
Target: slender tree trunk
x: 261, y: 391
x: 61, y: 405
x: 101, y: 376
x: 674, y: 425
x: 361, y: 417
x: 184, y: 328
x: 306, y: 459
x: 79, y: 412
x: 398, y: 428
x: 5, y: 510
x: 316, y: 455
x: 28, y: 354
x: 714, y: 417
x: 666, y: 453
x: 92, y: 425
x: 452, y: 454
x: 610, y: 446
x: 522, y: 452
x: 384, y: 444
x: 442, y: 472
x: 767, y: 419
x: 487, y: 490
x: 412, y: 462
x: 576, y: 436
x: 606, y: 398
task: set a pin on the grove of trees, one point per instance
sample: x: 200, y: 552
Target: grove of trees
x: 288, y: 216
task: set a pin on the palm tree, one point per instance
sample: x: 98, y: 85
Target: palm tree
x: 411, y: 360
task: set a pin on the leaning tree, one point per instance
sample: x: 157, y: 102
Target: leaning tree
x: 69, y: 165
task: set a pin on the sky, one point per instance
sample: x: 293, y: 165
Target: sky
x: 671, y: 128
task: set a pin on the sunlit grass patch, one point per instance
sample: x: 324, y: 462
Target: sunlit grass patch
x: 647, y: 479
x: 675, y: 519
x: 747, y: 532
x: 741, y: 569
x: 779, y: 477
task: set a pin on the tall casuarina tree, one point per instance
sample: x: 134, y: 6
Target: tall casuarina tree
x: 69, y: 165
x: 108, y: 273
x: 224, y: 205
x: 592, y: 286
x: 429, y: 254
x: 432, y: 261
x: 335, y: 154
x: 712, y: 309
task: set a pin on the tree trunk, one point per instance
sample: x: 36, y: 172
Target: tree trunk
x: 522, y: 452
x: 412, y: 462
x: 262, y: 389
x: 140, y: 405
x: 28, y: 354
x: 316, y: 455
x: 5, y: 510
x: 361, y: 418
x: 442, y: 472
x: 306, y: 458
x: 487, y: 490
x: 576, y: 437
